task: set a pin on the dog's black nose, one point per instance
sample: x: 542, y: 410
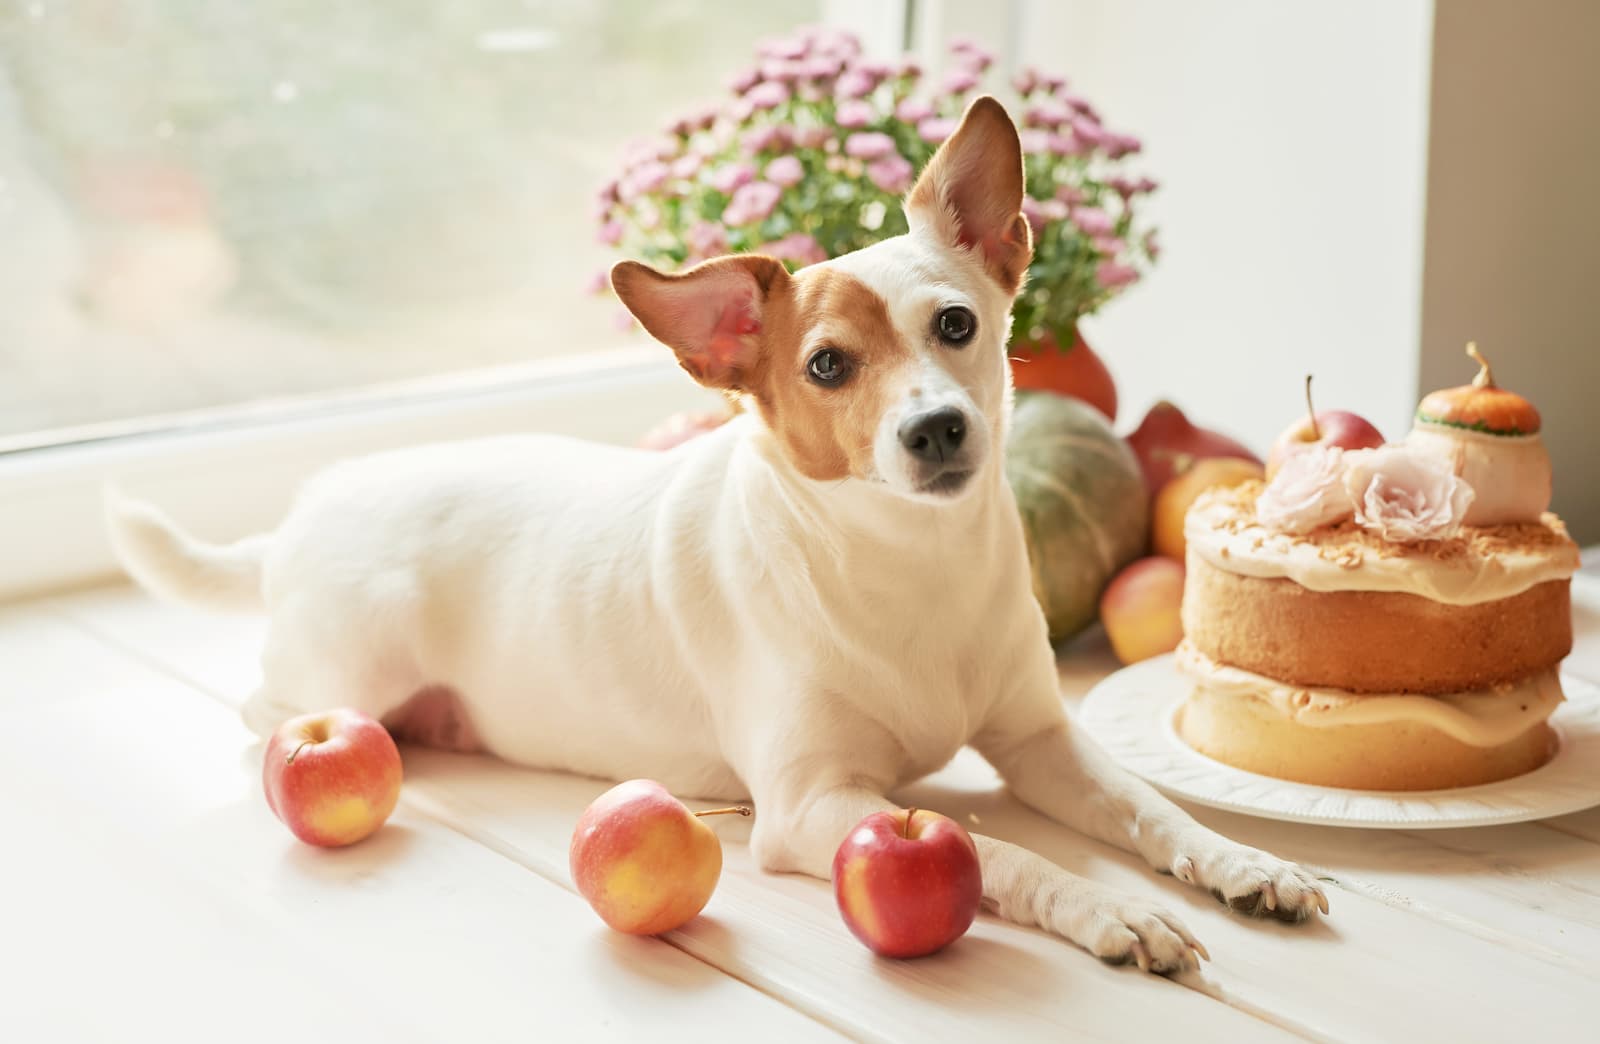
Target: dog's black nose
x: 934, y: 436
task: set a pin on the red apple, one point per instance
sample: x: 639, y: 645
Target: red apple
x: 907, y: 882
x: 1168, y: 444
x: 332, y: 778
x: 1141, y: 609
x: 643, y: 860
x: 1338, y: 428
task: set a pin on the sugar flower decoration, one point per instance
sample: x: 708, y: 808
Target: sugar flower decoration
x: 1405, y: 496
x: 1308, y: 492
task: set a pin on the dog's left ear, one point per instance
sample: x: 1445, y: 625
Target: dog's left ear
x: 711, y: 316
x: 970, y: 193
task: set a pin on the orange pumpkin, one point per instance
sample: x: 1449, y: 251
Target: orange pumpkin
x: 1480, y: 406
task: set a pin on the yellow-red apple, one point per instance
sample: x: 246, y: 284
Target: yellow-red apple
x: 1338, y: 428
x: 332, y: 778
x: 643, y: 860
x: 1173, y: 500
x: 907, y: 882
x: 1140, y: 609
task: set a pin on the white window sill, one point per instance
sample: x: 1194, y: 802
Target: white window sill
x: 228, y: 473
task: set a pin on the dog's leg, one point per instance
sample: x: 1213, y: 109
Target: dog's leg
x: 1068, y: 778
x: 801, y: 832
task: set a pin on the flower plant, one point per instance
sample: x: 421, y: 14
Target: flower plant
x: 810, y: 155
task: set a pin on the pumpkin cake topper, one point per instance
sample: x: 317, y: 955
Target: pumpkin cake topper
x: 1481, y: 406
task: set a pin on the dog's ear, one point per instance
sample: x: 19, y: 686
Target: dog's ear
x: 970, y: 193
x: 712, y: 315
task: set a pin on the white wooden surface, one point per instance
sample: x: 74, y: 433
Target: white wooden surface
x: 148, y: 892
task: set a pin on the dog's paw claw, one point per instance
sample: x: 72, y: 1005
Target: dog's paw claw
x: 1133, y: 932
x: 1258, y: 885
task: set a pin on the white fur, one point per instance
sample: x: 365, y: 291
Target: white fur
x: 712, y: 619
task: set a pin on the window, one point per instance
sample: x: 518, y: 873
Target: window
x: 209, y: 204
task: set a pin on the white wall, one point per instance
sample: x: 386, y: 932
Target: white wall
x: 1513, y: 243
x: 1290, y: 140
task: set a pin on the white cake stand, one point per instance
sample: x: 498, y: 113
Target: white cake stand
x: 1131, y: 715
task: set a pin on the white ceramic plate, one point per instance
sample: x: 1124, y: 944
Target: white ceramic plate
x: 1131, y: 715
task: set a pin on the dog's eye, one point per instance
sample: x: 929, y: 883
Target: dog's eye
x: 828, y: 366
x: 956, y: 325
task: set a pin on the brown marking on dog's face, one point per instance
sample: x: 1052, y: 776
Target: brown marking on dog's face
x: 742, y: 324
x: 827, y: 430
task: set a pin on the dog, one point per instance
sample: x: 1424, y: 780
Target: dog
x: 821, y: 600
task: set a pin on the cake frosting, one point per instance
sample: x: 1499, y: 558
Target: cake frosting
x: 1480, y: 718
x: 1476, y: 565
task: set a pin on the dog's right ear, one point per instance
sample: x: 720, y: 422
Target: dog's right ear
x: 712, y: 315
x: 970, y: 194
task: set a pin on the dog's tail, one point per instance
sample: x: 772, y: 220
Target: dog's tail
x: 173, y: 565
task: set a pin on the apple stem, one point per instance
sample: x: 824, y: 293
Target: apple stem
x: 303, y: 745
x: 1485, y: 378
x: 1311, y: 411
x: 731, y: 810
x: 909, y: 813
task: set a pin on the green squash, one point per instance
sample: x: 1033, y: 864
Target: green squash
x: 1084, y: 507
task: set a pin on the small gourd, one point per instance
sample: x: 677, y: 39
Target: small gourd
x: 1481, y: 406
x: 1490, y: 438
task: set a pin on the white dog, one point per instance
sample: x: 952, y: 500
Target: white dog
x: 818, y: 602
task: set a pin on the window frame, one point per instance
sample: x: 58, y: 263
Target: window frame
x: 229, y: 476
x: 231, y: 471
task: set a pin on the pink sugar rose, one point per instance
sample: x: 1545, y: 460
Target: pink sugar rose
x: 1110, y: 246
x: 1307, y: 493
x: 869, y: 146
x: 1404, y: 496
x: 892, y: 173
x: 752, y: 203
x: 1071, y: 195
x: 785, y: 171
x: 1026, y: 81
x: 853, y: 114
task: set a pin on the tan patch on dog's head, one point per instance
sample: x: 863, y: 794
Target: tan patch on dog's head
x: 828, y: 431
x: 742, y: 324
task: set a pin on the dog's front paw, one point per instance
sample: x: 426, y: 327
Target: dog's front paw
x: 1127, y: 930
x: 1253, y: 882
